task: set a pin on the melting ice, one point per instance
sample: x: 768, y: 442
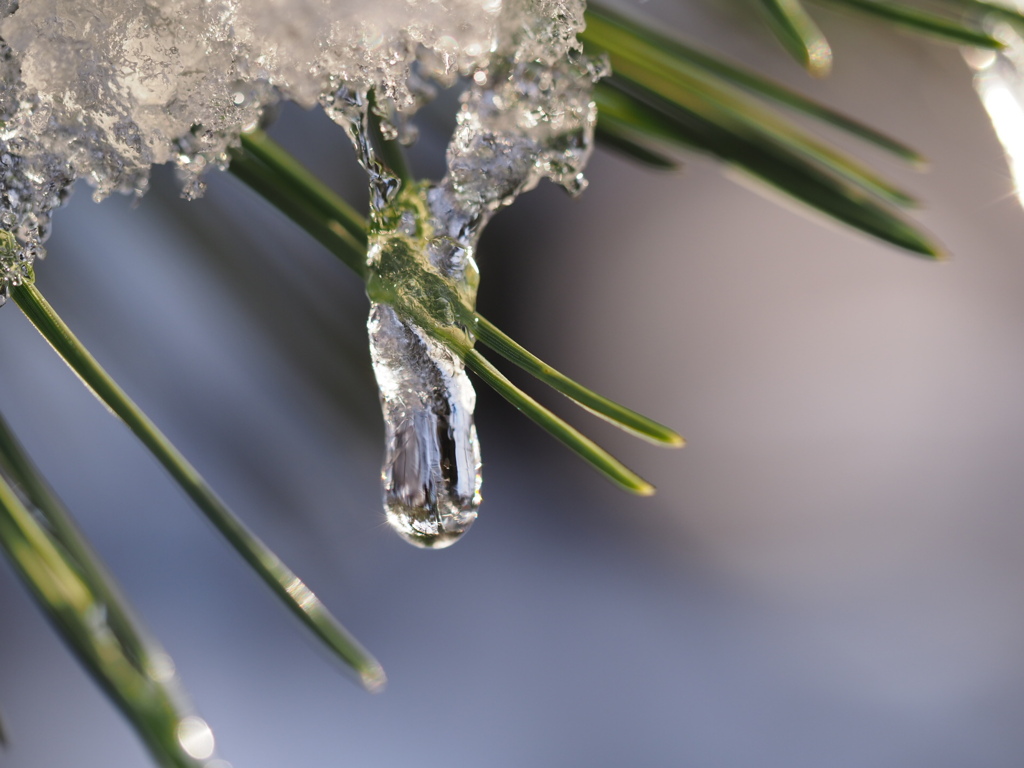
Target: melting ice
x: 105, y: 89
x: 526, y: 115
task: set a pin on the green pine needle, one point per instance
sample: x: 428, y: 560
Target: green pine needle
x: 620, y: 137
x: 586, y: 448
x: 73, y: 590
x: 799, y: 35
x: 674, y: 55
x: 281, y: 580
x: 920, y: 21
x: 297, y: 180
x: 763, y: 158
x: 726, y: 107
x: 984, y: 11
x: 663, y: 92
x: 36, y: 493
x: 631, y: 421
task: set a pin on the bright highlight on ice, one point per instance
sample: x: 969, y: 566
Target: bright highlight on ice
x: 999, y: 80
x: 103, y: 90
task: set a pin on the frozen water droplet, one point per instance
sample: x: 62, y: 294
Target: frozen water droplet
x: 431, y: 470
x: 431, y: 473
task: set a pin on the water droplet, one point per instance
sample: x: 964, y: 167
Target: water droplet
x: 196, y: 738
x: 160, y: 667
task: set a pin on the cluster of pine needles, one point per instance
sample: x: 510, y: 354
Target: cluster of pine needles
x: 665, y: 97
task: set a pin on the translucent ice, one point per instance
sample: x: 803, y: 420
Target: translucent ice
x: 431, y: 471
x: 526, y: 115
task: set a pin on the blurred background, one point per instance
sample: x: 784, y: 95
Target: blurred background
x: 830, y: 574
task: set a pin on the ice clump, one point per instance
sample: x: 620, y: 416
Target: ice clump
x: 103, y: 90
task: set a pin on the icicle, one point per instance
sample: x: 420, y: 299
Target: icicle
x: 524, y: 118
x: 431, y: 468
x: 420, y: 277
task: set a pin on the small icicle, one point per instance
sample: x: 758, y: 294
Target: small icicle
x: 527, y: 116
x: 431, y: 471
x: 420, y: 277
x: 431, y: 468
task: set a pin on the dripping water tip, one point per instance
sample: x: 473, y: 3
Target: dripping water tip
x: 421, y: 540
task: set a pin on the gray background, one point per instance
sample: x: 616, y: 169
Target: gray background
x: 829, y: 575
